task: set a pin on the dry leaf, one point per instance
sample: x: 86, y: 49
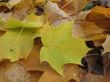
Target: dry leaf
x: 51, y: 7
x: 49, y: 75
x: 71, y: 74
x: 16, y: 73
x: 33, y: 61
x: 94, y: 78
x: 106, y: 44
x: 100, y: 16
x: 23, y: 9
x: 12, y: 3
x: 86, y: 29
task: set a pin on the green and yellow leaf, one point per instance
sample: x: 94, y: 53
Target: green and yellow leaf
x: 60, y: 47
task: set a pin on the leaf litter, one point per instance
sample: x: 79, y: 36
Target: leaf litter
x: 49, y: 54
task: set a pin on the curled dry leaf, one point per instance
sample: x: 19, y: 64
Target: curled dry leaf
x: 51, y: 7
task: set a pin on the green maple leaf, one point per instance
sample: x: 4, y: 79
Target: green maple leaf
x: 14, y: 48
x: 17, y: 42
x: 60, y: 47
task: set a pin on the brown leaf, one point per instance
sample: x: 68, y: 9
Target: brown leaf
x: 33, y: 64
x: 3, y: 67
x: 100, y: 16
x: 16, y: 73
x: 71, y: 74
x: 73, y: 6
x: 51, y: 76
x: 106, y: 64
x: 23, y: 9
x: 94, y: 78
x: 106, y: 44
x: 85, y: 29
x: 33, y: 61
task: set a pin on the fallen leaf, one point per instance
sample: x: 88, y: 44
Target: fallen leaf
x: 14, y: 48
x: 16, y: 73
x: 17, y: 41
x: 86, y: 29
x: 13, y: 23
x: 22, y: 9
x: 39, y: 2
x: 33, y: 61
x: 106, y: 64
x: 12, y: 3
x: 74, y: 6
x: 60, y: 47
x: 33, y: 64
x: 53, y: 7
x: 106, y: 44
x: 100, y: 16
x: 71, y: 72
x: 50, y: 75
x: 92, y: 78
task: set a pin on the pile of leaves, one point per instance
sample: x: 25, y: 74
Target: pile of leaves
x: 45, y: 40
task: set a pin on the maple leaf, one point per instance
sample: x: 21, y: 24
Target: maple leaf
x: 33, y: 64
x: 17, y: 42
x: 14, y: 23
x: 60, y: 47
